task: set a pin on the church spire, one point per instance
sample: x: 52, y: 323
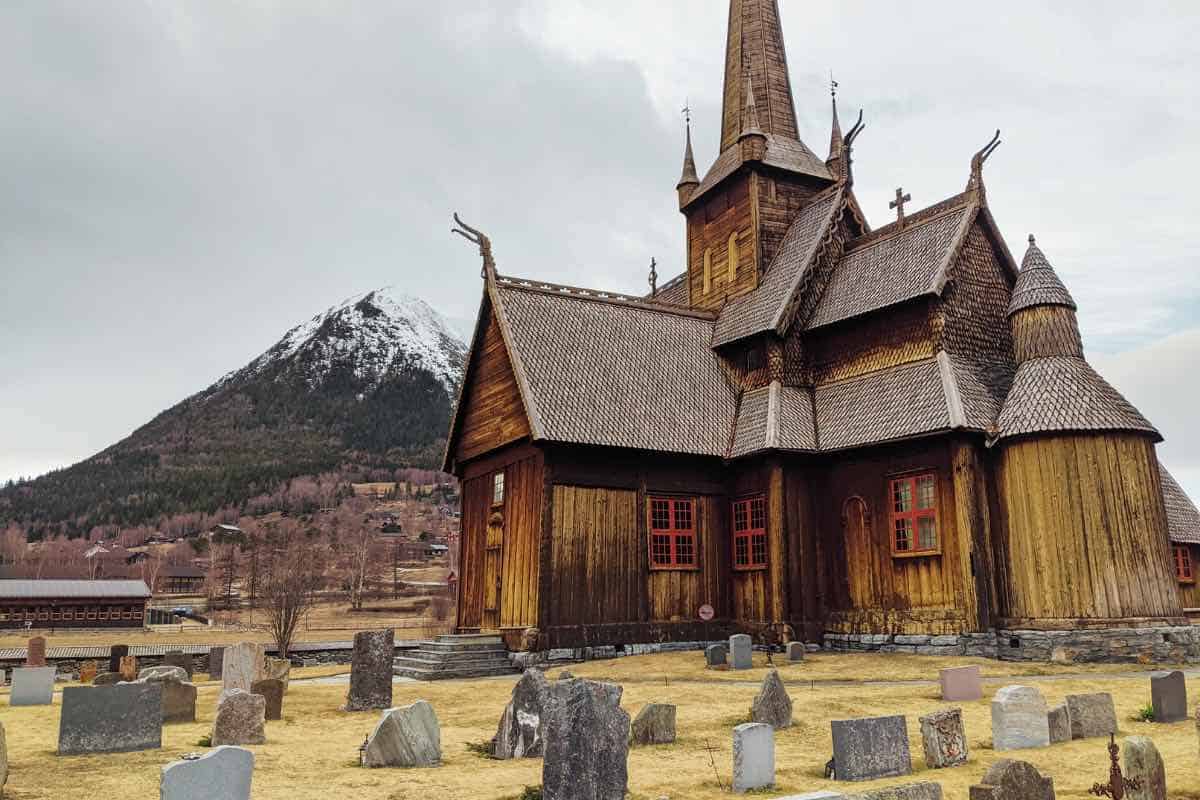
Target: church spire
x: 688, y: 181
x: 835, y: 135
x: 754, y: 48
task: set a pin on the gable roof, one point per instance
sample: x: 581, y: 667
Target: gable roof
x: 764, y: 309
x: 1183, y: 519
x: 74, y: 589
x: 605, y: 369
x: 894, y: 264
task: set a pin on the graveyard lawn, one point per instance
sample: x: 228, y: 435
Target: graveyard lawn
x: 315, y: 746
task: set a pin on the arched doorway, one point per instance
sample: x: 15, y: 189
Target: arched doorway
x: 860, y: 572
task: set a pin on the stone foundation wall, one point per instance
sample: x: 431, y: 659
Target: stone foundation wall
x: 1169, y: 644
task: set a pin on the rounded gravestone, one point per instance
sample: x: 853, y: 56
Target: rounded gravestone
x: 35, y: 653
x: 239, y: 719
x: 654, y: 724
x: 271, y: 690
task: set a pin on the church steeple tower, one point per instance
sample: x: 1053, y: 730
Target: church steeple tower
x: 754, y: 56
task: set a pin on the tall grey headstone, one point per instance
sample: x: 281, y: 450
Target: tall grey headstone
x: 1168, y: 695
x: 741, y: 651
x: 871, y: 747
x: 178, y: 695
x: 110, y: 719
x: 587, y: 742
x: 242, y: 665
x: 1009, y: 779
x: 405, y: 737
x: 716, y: 655
x: 32, y: 686
x: 371, y: 671
x: 520, y: 733
x: 772, y: 704
x: 654, y: 724
x: 1019, y: 719
x: 753, y: 757
x: 944, y: 739
x: 1092, y: 715
x: 225, y: 773
x: 1144, y: 764
x: 240, y: 719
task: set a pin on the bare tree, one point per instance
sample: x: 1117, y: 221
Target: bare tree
x: 354, y: 536
x: 292, y: 563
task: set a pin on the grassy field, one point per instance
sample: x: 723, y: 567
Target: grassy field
x: 315, y: 746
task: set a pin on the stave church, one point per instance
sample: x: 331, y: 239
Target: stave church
x: 870, y: 438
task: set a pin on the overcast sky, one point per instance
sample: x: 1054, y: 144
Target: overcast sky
x: 181, y: 182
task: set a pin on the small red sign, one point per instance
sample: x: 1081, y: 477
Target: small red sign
x: 706, y: 612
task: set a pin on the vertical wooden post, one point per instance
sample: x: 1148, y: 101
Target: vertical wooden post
x: 973, y: 524
x: 776, y: 539
x: 545, y: 548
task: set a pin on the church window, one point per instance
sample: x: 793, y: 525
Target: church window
x: 672, y: 533
x: 914, y: 515
x: 707, y: 270
x: 734, y: 255
x: 498, y: 489
x: 1183, y: 564
x: 750, y: 533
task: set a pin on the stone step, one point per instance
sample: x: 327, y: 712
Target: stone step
x: 422, y: 673
x: 450, y: 658
x: 462, y: 647
x: 470, y: 638
x: 421, y: 663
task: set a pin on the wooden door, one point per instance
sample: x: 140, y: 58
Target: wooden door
x: 493, y: 561
x: 860, y: 550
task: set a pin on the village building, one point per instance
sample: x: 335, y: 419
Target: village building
x: 822, y: 429
x: 180, y: 579
x: 72, y: 604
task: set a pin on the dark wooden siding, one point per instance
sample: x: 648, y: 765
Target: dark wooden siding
x: 522, y: 535
x: 724, y: 210
x: 476, y: 503
x: 886, y: 340
x: 492, y: 415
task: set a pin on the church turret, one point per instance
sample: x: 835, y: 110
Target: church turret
x: 837, y: 143
x: 752, y: 141
x: 688, y: 181
x: 1077, y: 479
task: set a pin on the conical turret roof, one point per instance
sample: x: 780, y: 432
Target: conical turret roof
x: 1038, y: 284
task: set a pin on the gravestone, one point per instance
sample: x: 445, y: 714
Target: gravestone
x: 107, y: 679
x: 224, y: 773
x: 741, y: 651
x: 35, y: 652
x: 241, y: 666
x: 87, y: 671
x: 128, y: 668
x: 405, y: 737
x: 115, y: 654
x: 178, y: 658
x: 944, y: 739
x: 1059, y: 721
x: 1092, y: 715
x: 3, y: 760
x: 178, y: 695
x: 32, y: 686
x: 371, y: 671
x: 279, y: 669
x: 271, y: 690
x: 1019, y: 719
x: 520, y: 734
x: 960, y: 684
x: 753, y: 757
x: 110, y: 719
x: 772, y: 705
x: 654, y: 724
x: 872, y: 747
x: 1009, y: 779
x: 239, y: 719
x: 587, y: 742
x: 795, y: 651
x: 216, y: 663
x: 925, y: 790
x: 1144, y: 763
x: 716, y: 655
x: 1168, y: 695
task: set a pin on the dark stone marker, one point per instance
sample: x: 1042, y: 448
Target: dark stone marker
x: 272, y: 691
x: 1168, y: 695
x: 587, y: 742
x: 1009, y: 779
x: 216, y: 662
x: 873, y: 747
x: 178, y: 658
x: 716, y: 655
x: 371, y: 671
x: 35, y: 653
x: 115, y: 654
x: 110, y: 719
x: 521, y: 730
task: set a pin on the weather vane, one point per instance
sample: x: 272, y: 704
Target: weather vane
x: 832, y: 85
x: 686, y: 111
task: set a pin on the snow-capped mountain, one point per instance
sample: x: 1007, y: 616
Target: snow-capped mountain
x: 365, y: 387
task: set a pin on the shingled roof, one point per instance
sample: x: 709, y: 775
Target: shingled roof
x: 616, y: 371
x: 764, y: 308
x: 1038, y: 284
x: 895, y: 264
x: 782, y: 153
x: 1183, y: 519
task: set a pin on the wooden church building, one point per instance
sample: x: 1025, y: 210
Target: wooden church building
x: 864, y: 437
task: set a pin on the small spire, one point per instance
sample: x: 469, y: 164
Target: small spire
x: 653, y: 277
x: 750, y: 120
x: 688, y: 178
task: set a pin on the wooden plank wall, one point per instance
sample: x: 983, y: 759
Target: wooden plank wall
x: 779, y: 199
x: 676, y: 595
x: 522, y: 536
x: 866, y: 345
x: 867, y: 588
x: 723, y: 211
x: 595, y: 574
x: 493, y: 414
x: 476, y: 503
x: 1082, y: 531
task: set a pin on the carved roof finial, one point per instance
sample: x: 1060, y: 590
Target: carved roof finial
x: 653, y: 277
x: 975, y: 182
x: 477, y: 238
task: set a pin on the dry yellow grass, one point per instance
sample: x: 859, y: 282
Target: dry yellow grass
x: 315, y: 747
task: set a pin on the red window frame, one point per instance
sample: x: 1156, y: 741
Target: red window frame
x: 750, y: 533
x: 913, y: 500
x: 1183, y: 564
x: 672, y: 538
